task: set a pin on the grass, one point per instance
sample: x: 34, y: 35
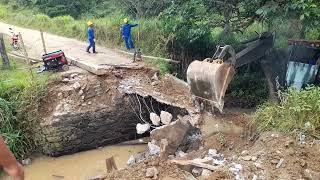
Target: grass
x: 297, y: 112
x: 20, y: 96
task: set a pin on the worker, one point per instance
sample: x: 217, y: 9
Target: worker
x: 9, y: 163
x: 91, y: 39
x: 126, y: 34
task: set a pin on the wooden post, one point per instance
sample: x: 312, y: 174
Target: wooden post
x: 4, y: 56
x: 111, y: 164
x: 26, y: 54
x: 43, y: 42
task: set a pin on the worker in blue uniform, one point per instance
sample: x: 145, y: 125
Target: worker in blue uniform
x: 91, y: 38
x: 126, y: 34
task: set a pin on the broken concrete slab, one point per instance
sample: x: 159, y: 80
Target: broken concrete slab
x: 174, y: 133
x: 142, y: 128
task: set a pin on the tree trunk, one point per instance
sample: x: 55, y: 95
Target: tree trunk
x: 4, y: 56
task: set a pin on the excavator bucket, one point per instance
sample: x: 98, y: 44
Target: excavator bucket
x: 209, y: 81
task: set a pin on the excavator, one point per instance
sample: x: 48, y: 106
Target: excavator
x: 209, y: 79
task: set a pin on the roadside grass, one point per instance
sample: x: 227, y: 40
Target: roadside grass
x: 20, y: 96
x: 297, y: 112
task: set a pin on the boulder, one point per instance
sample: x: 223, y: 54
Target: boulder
x: 174, y: 133
x: 155, y: 119
x: 166, y: 117
x: 142, y: 128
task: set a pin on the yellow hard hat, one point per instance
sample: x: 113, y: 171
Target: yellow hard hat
x: 90, y: 23
x: 126, y: 20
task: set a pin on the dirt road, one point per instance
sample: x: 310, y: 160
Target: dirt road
x: 73, y: 49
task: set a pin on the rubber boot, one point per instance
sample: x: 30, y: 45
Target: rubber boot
x: 88, y: 48
x: 94, y: 50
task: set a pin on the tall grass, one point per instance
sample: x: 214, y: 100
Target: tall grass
x: 20, y: 96
x: 297, y: 112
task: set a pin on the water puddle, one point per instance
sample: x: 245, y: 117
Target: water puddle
x: 79, y: 166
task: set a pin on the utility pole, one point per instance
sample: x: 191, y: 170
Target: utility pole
x: 26, y: 55
x: 4, y: 56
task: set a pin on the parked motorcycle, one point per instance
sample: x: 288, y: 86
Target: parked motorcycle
x: 15, y: 42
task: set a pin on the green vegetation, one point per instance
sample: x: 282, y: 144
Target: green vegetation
x: 20, y: 95
x: 297, y: 112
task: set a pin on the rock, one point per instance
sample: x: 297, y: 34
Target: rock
x: 254, y: 158
x: 175, y: 132
x: 165, y: 117
x: 76, y: 86
x: 205, y: 173
x: 142, y: 128
x: 60, y: 94
x: 65, y: 80
x: 244, y: 152
x: 274, y: 161
x: 131, y: 161
x: 152, y: 172
x: 153, y: 149
x: 197, y: 171
x: 155, y: 119
x: 213, y: 153
x: 247, y: 158
x: 258, y: 165
x: 82, y: 97
x: 155, y: 77
x: 154, y: 83
x: 80, y: 92
x: 73, y: 75
x: 26, y: 161
x: 180, y: 154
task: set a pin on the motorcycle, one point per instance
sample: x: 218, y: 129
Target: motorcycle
x: 14, y: 39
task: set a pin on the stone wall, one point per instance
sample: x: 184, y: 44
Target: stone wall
x: 74, y: 132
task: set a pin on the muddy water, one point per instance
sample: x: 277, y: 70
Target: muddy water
x: 79, y: 166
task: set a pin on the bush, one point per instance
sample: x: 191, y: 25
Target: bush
x: 297, y: 112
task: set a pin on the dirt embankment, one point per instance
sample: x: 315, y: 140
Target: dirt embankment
x: 272, y: 156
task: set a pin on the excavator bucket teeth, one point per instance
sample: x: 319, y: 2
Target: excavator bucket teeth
x: 209, y: 81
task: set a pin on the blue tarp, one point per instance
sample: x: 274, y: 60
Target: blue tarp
x: 300, y: 74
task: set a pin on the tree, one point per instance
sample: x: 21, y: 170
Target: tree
x: 3, y: 52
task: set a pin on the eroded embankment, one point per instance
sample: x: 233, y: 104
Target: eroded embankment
x: 83, y: 111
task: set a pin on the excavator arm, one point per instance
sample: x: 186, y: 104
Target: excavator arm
x: 209, y: 79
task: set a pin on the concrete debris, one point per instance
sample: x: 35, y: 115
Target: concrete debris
x: 65, y: 80
x: 152, y: 172
x: 236, y: 170
x: 274, y: 161
x: 73, y: 75
x: 26, y: 161
x: 131, y: 161
x: 137, y: 158
x: 165, y: 117
x: 80, y: 92
x: 196, y: 171
x: 213, y: 153
x: 142, y: 128
x: 175, y: 132
x: 280, y: 163
x: 155, y: 119
x: 76, y: 86
x: 180, y: 154
x: 205, y: 173
x: 154, y: 83
x: 153, y: 148
x: 246, y: 158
